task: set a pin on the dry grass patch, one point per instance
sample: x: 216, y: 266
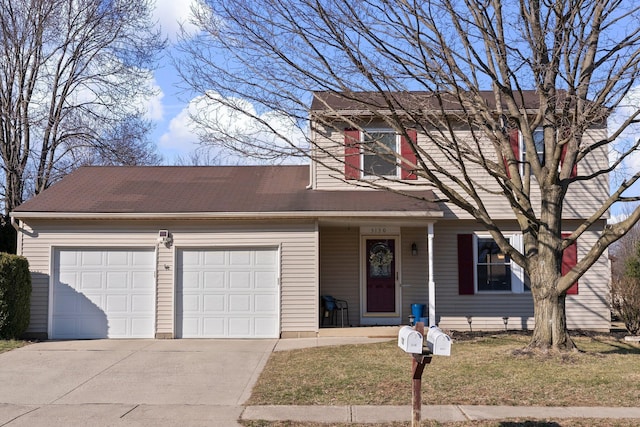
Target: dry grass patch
x: 482, y: 370
x: 6, y: 345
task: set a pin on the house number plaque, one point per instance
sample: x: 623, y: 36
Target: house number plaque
x: 379, y: 230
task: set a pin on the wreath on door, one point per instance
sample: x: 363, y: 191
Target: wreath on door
x: 380, y: 259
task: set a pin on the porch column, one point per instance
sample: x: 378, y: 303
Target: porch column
x: 432, y: 283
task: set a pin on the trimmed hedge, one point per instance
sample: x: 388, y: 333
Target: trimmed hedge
x: 15, y: 295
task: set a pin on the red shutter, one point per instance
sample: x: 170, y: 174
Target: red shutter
x: 514, y: 140
x: 351, y: 153
x: 569, y: 260
x: 408, y: 154
x: 465, y: 264
x: 574, y: 171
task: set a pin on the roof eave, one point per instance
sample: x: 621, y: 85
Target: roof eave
x: 226, y: 215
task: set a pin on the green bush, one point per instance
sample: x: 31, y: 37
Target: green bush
x: 15, y: 295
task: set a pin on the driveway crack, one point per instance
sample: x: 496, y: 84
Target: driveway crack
x: 131, y: 353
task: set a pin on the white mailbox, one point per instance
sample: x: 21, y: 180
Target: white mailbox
x: 410, y: 340
x: 438, y: 342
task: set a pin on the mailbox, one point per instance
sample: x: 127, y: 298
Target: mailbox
x: 438, y: 342
x: 410, y: 340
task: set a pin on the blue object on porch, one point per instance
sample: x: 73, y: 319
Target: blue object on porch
x: 330, y: 308
x: 417, y: 310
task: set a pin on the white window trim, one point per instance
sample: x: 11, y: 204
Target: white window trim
x: 363, y: 172
x: 517, y: 272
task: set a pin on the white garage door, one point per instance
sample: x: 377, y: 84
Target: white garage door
x: 230, y: 293
x: 103, y: 293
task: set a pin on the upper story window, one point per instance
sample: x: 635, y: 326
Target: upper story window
x: 538, y: 141
x: 520, y: 152
x: 379, y: 152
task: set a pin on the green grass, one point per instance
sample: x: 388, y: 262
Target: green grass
x: 482, y: 370
x: 6, y: 345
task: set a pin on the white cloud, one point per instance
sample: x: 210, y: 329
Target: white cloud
x: 170, y: 14
x: 227, y: 127
x: 180, y: 139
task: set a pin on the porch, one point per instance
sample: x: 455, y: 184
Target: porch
x: 377, y: 272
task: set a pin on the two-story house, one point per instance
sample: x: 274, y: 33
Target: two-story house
x: 248, y: 251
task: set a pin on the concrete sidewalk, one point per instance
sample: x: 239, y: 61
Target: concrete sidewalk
x: 441, y: 413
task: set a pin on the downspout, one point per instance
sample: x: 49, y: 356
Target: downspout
x: 432, y: 283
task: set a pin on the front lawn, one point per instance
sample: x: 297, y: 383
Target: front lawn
x: 484, y: 369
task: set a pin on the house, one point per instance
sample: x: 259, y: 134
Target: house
x: 248, y: 251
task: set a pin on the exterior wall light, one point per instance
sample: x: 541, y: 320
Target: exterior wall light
x: 414, y: 249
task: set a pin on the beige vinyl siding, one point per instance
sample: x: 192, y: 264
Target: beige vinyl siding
x: 340, y: 266
x: 165, y: 307
x: 588, y: 309
x: 297, y: 242
x: 583, y: 198
x: 415, y: 271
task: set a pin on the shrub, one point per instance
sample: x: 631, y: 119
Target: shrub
x: 15, y: 295
x: 625, y: 302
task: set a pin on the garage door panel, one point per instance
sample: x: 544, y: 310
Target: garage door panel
x: 103, y: 293
x: 240, y: 258
x: 213, y: 258
x: 89, y: 281
x: 264, y: 328
x: 231, y: 293
x: 240, y: 326
x: 117, y: 304
x: 91, y: 258
x: 239, y: 304
x: 142, y: 280
x: 213, y: 280
x: 265, y: 304
x: 117, y: 258
x: 265, y: 280
x: 240, y: 280
x: 142, y: 304
x: 117, y: 280
x: 213, y: 303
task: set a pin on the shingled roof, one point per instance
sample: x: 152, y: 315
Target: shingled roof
x: 229, y: 190
x: 326, y: 101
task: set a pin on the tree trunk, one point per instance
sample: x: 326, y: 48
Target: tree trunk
x: 550, y: 331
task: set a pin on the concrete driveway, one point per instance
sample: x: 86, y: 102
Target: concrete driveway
x: 129, y: 382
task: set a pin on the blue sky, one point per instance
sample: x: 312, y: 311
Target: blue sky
x: 169, y: 111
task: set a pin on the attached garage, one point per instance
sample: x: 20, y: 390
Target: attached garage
x: 227, y: 293
x: 102, y: 293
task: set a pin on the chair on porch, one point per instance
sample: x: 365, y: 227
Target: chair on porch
x: 330, y: 308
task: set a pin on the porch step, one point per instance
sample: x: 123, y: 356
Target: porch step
x: 362, y: 331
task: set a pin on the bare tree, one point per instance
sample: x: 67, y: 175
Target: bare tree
x: 73, y: 78
x: 579, y: 57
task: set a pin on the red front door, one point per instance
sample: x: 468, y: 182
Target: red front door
x: 381, y: 275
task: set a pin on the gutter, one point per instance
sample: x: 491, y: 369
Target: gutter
x: 14, y: 222
x: 223, y: 215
